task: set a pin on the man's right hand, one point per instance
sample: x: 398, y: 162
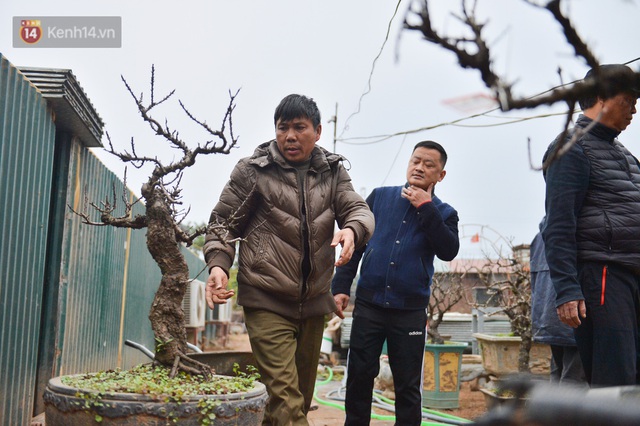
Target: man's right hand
x: 342, y: 301
x: 216, y: 291
x: 571, y: 312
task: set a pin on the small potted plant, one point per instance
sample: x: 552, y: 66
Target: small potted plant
x: 508, y: 283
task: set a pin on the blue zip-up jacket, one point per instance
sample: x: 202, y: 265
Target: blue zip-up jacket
x: 397, y: 264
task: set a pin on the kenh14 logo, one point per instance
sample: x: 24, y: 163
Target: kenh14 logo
x: 30, y: 30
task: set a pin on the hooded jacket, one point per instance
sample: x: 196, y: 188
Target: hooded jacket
x: 546, y: 327
x: 261, y: 205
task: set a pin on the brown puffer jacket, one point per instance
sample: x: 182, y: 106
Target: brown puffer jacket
x: 261, y: 205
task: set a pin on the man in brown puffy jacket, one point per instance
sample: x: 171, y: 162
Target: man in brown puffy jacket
x: 282, y: 204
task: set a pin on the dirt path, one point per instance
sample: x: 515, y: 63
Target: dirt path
x: 328, y: 412
x: 472, y: 405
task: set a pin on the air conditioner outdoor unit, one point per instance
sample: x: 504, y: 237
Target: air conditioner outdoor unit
x: 194, y: 304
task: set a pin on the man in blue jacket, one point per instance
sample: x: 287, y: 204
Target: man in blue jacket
x: 592, y: 232
x: 392, y: 296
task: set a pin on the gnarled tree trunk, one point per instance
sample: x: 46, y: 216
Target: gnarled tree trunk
x: 166, y: 314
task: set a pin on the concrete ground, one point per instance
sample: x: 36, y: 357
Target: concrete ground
x: 329, y: 412
x: 326, y: 414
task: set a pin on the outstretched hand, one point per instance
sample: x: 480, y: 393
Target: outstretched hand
x: 346, y: 238
x: 216, y: 291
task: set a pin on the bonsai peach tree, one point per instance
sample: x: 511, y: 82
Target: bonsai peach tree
x: 446, y: 292
x: 508, y: 283
x: 161, y: 194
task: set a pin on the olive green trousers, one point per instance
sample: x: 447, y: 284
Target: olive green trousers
x: 287, y: 353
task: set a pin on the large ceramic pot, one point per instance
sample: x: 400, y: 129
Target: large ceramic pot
x: 223, y: 361
x: 65, y: 406
x: 500, y: 355
x: 441, y: 380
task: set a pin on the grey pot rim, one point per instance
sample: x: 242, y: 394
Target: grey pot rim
x: 55, y: 385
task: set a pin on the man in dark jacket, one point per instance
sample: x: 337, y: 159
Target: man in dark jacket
x: 546, y: 327
x: 392, y: 296
x: 282, y: 203
x: 592, y: 233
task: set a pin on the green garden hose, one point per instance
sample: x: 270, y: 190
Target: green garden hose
x: 387, y: 400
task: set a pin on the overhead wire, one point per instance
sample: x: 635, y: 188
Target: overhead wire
x: 456, y: 123
x: 373, y: 67
x: 394, y: 160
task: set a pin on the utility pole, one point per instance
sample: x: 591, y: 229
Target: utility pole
x: 334, y: 120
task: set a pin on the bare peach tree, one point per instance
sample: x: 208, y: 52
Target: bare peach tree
x: 508, y: 283
x: 473, y: 52
x: 161, y: 194
x: 446, y: 292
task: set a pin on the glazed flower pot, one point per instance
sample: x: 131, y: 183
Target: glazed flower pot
x: 65, y: 405
x: 441, y: 380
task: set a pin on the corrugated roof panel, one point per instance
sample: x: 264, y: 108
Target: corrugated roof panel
x: 74, y: 111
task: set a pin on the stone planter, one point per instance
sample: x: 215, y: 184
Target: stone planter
x: 441, y: 380
x: 65, y: 406
x: 500, y: 355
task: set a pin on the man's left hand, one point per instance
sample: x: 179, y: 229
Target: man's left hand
x: 418, y: 196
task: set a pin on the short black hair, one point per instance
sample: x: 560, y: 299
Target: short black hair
x: 297, y: 106
x: 436, y: 146
x: 613, y: 80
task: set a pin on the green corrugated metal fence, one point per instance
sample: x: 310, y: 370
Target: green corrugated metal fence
x: 27, y: 136
x: 70, y: 293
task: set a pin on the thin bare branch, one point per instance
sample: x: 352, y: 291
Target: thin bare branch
x: 138, y: 222
x: 446, y: 292
x: 473, y: 52
x: 571, y: 35
x: 108, y: 207
x: 131, y: 157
